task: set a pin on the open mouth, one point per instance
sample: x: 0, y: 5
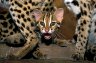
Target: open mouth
x: 47, y: 36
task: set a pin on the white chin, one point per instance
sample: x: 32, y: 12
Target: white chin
x: 47, y: 37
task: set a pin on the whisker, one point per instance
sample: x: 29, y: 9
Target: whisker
x: 59, y: 33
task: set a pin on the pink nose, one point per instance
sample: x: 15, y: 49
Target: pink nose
x: 46, y: 31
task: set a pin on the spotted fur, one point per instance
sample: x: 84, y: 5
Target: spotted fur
x: 83, y: 9
x: 19, y: 23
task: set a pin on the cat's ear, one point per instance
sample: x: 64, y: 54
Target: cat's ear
x: 37, y: 14
x: 59, y: 14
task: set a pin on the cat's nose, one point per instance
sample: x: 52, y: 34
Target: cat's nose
x: 46, y: 31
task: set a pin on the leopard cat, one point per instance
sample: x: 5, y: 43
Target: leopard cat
x: 20, y: 23
x: 83, y: 9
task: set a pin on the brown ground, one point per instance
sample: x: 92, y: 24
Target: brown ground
x: 44, y: 61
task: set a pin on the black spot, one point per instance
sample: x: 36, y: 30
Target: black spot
x: 5, y: 24
x: 89, y: 6
x: 17, y: 10
x: 5, y: 31
x: 46, y: 4
x: 7, y: 0
x: 11, y: 0
x: 28, y: 19
x: 11, y: 9
x: 85, y: 5
x: 0, y: 34
x: 24, y: 20
x: 47, y: 9
x: 85, y: 38
x: 36, y: 4
x: 24, y: 8
x: 32, y: 24
x: 27, y: 28
x: 27, y: 12
x: 12, y: 4
x: 4, y: 35
x: 49, y: 0
x: 13, y: 14
x: 22, y: 28
x: 82, y: 29
x: 79, y: 39
x: 30, y: 1
x: 25, y: 3
x: 50, y: 3
x: 2, y: 17
x: 81, y: 44
x: 11, y: 33
x: 19, y: 16
x: 23, y: 24
x: 33, y: 3
x: 18, y: 21
x: 95, y: 30
x: 43, y: 9
x: 78, y: 28
x: 89, y: 26
x: 75, y: 3
x: 27, y: 34
x: 31, y: 10
x: 81, y: 10
x: 88, y: 31
x: 84, y: 21
x: 81, y: 35
x: 78, y: 15
x: 33, y: 16
x: 84, y: 12
x: 22, y: 15
x: 1, y: 38
x: 20, y: 5
x: 52, y: 8
x: 95, y: 23
x: 31, y: 32
x: 80, y: 32
x: 95, y: 5
x: 28, y: 7
x: 81, y: 49
x: 81, y: 24
x: 75, y: 37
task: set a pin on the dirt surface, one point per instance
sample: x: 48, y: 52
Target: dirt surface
x: 44, y: 61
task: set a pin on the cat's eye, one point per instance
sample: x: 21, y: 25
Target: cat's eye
x: 52, y: 23
x: 42, y: 23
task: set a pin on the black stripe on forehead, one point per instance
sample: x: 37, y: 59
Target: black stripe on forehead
x: 46, y: 14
